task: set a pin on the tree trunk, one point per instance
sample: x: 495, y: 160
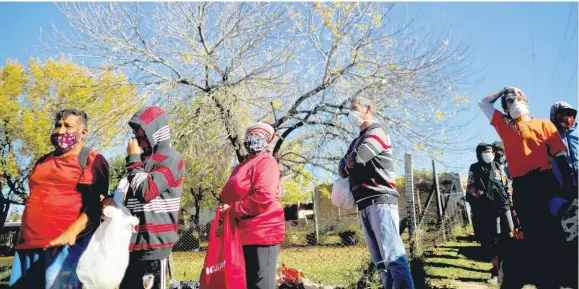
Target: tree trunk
x: 198, y: 197
x: 4, y: 213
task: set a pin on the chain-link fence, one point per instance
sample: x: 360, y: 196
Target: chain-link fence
x: 328, y: 243
x: 331, y: 248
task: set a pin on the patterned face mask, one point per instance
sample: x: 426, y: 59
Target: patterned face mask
x: 254, y: 144
x: 64, y: 142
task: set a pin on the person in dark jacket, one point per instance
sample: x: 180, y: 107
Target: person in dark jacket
x: 368, y: 165
x: 563, y: 117
x: 251, y: 195
x: 486, y: 190
x: 501, y: 159
x: 155, y: 174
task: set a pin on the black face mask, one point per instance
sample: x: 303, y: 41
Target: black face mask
x: 501, y: 159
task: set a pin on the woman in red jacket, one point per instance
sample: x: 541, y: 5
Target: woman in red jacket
x: 252, y: 193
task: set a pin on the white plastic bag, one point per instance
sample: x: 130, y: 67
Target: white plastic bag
x: 342, y: 195
x: 103, y: 263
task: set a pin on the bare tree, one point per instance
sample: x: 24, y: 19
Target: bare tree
x: 295, y: 64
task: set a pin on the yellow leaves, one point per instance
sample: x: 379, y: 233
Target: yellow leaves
x: 286, y: 57
x: 437, y: 154
x: 377, y: 20
x: 13, y: 79
x: 318, y: 5
x: 325, y: 191
x: 297, y: 188
x: 31, y: 96
x: 461, y: 99
x: 400, y: 182
x: 419, y: 147
x: 186, y: 58
x: 11, y: 165
x: 348, y: 6
x: 438, y: 115
x: 337, y: 69
x: 277, y: 104
x: 393, y: 67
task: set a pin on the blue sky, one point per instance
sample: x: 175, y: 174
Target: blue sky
x: 532, y: 46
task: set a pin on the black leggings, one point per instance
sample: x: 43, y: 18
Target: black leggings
x: 260, y: 265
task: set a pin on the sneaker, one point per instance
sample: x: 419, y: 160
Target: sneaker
x: 494, y: 280
x: 569, y: 221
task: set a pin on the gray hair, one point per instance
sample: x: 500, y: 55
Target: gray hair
x: 364, y: 101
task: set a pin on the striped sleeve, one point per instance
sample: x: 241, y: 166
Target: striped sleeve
x: 373, y: 144
x: 149, y: 185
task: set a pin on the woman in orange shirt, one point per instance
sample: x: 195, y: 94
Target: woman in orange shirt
x: 529, y: 146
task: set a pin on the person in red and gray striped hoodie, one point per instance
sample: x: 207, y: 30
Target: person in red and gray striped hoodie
x: 154, y: 196
x: 368, y: 165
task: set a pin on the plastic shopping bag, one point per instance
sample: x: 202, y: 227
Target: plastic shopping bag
x: 342, y: 195
x: 105, y: 260
x: 224, y: 266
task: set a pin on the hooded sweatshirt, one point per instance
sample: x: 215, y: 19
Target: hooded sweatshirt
x: 156, y: 185
x: 569, y: 137
x: 485, y: 186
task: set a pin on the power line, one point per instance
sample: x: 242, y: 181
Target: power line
x: 562, y: 44
x: 571, y: 80
x: 566, y: 54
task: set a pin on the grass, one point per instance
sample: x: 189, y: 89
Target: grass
x: 5, y: 266
x: 454, y: 264
x: 450, y: 265
x: 320, y: 264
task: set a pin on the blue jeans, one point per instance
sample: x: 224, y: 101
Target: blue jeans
x: 50, y: 269
x: 380, y: 223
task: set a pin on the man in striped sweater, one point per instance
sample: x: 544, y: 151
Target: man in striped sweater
x: 368, y: 165
x: 154, y: 196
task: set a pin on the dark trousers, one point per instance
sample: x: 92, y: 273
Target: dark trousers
x: 483, y: 223
x: 260, y: 265
x: 539, y: 259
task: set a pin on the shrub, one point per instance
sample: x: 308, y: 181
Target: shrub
x: 351, y: 235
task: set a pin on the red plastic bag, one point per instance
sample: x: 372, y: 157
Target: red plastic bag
x: 224, y: 266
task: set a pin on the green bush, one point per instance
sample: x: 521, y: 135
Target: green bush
x: 351, y: 235
x: 311, y: 239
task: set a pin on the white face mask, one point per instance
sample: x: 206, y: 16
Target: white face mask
x: 488, y: 157
x: 355, y: 118
x: 518, y: 109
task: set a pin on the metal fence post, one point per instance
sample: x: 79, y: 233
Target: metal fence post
x: 410, y: 207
